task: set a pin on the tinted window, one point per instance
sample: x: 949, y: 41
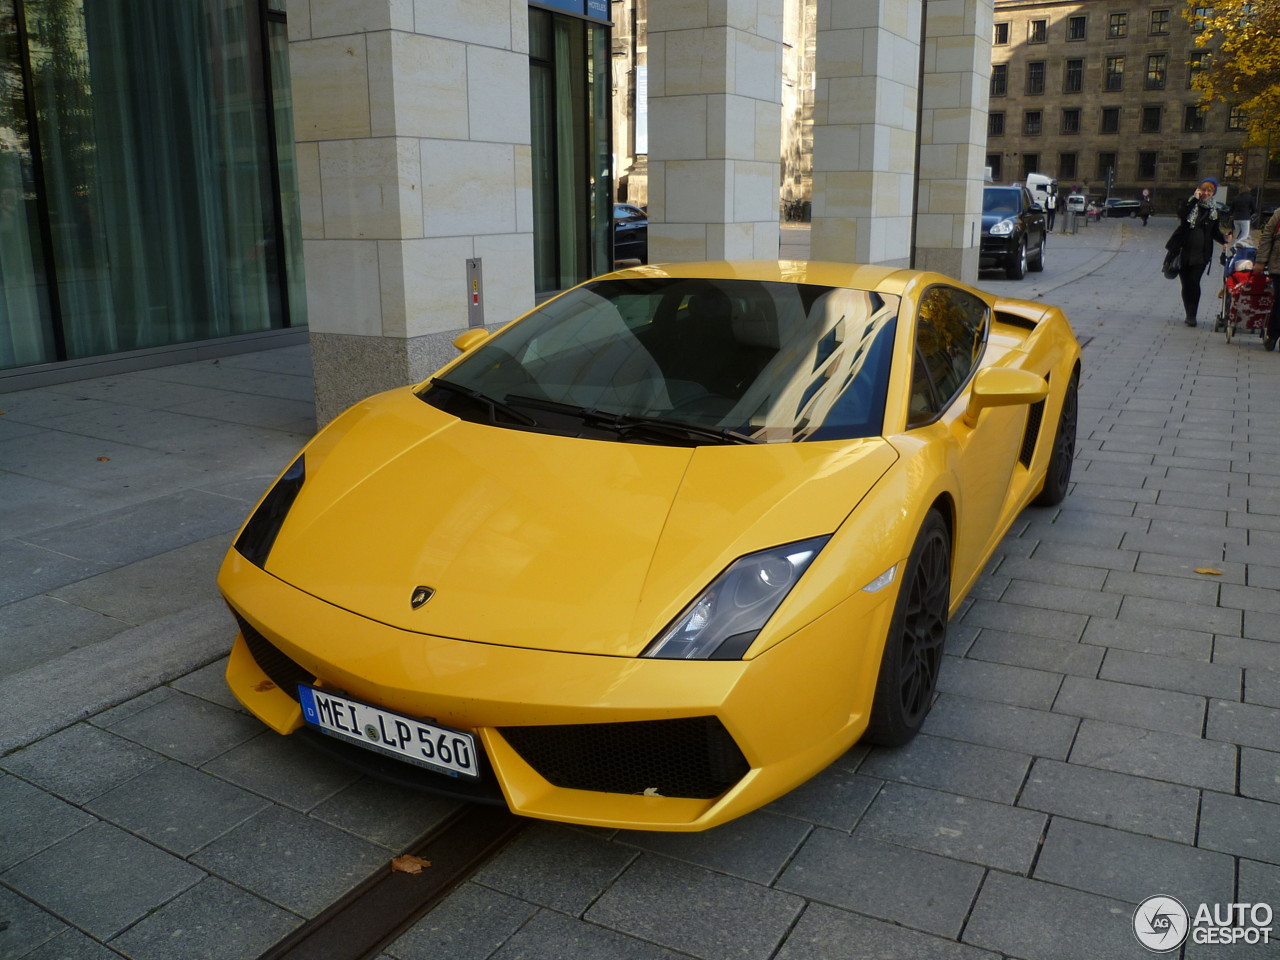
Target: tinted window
x: 951, y: 329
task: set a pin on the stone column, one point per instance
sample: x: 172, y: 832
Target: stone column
x: 953, y: 135
x: 412, y: 129
x: 715, y: 125
x: 864, y: 130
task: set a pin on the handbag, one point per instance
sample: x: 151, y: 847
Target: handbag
x: 1172, y: 264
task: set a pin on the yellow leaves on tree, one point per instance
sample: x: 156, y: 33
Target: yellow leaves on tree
x: 1241, y: 66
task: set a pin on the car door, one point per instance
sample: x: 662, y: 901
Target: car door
x: 951, y: 328
x: 1033, y: 220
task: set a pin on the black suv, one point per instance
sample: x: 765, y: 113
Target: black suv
x: 1013, y: 231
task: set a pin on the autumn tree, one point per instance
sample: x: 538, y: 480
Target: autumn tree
x: 1241, y: 63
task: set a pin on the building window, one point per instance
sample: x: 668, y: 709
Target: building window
x: 1002, y: 34
x: 1196, y: 62
x: 1198, y: 18
x: 1066, y: 166
x: 1233, y: 166
x: 1031, y: 123
x: 1157, y: 67
x: 1273, y: 167
x: 1147, y: 165
x: 1159, y: 22
x: 999, y: 79
x: 1189, y: 166
x: 1030, y: 164
x: 1073, y: 78
x: 1038, y: 31
x: 1035, y: 77
x: 1075, y: 28
x: 1151, y: 119
x: 1115, y: 73
x: 1071, y: 120
x: 1237, y: 119
x: 1193, y: 119
x: 1118, y: 25
x: 995, y: 162
x: 1110, y: 120
x: 1106, y: 164
x: 995, y: 124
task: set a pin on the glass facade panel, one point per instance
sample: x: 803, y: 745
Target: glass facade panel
x: 156, y: 170
x: 26, y: 334
x: 569, y: 103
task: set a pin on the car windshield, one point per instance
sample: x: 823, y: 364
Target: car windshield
x: 685, y: 362
x: 1002, y: 202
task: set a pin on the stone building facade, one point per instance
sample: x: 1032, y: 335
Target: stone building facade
x: 1087, y: 87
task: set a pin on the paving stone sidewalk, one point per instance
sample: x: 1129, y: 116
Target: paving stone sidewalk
x: 1107, y: 729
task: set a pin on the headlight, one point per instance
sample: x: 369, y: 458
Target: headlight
x: 721, y: 623
x: 259, y: 534
x: 1002, y: 229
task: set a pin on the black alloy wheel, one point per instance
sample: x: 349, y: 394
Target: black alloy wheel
x: 913, y: 650
x: 1058, y: 475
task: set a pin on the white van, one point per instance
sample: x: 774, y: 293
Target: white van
x: 1043, y: 189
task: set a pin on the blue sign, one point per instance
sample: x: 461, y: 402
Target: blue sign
x: 596, y: 9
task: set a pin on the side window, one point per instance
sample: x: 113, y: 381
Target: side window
x: 951, y: 330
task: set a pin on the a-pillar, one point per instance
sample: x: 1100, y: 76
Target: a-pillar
x: 953, y: 135
x: 715, y: 128
x: 412, y: 128
x: 864, y: 130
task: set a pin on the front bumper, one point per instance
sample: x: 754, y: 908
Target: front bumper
x: 760, y: 726
x: 995, y: 251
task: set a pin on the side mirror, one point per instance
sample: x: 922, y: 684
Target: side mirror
x: 1003, y: 387
x: 1037, y: 208
x: 470, y: 338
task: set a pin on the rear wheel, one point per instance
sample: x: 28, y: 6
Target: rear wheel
x: 913, y: 650
x: 1058, y: 476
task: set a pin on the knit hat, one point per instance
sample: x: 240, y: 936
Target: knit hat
x: 1210, y: 180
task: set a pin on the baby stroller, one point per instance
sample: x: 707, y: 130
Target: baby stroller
x: 1246, y: 296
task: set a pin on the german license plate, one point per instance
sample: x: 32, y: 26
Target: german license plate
x: 452, y: 752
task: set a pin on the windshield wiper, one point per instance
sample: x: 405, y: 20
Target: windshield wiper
x: 627, y: 423
x: 495, y: 407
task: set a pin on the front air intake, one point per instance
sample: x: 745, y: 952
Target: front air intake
x: 691, y: 757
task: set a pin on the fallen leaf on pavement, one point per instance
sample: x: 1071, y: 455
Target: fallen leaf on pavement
x: 1211, y: 572
x: 409, y: 864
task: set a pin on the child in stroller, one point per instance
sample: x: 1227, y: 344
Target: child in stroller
x: 1246, y: 296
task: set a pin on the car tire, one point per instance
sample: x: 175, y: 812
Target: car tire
x: 913, y: 649
x: 1036, y: 264
x: 1058, y: 475
x: 1017, y: 266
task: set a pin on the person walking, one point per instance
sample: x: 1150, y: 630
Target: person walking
x: 1192, y: 242
x: 1243, y: 208
x: 1052, y: 210
x: 1267, y: 260
x: 1144, y: 207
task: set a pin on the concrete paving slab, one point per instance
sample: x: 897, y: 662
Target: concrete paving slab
x: 919, y: 890
x: 472, y: 922
x: 696, y: 911
x: 1156, y: 755
x: 756, y: 847
x: 102, y: 879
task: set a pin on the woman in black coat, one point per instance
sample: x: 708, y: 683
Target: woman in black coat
x: 1193, y: 240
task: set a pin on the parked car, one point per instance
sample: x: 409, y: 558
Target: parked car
x: 630, y: 233
x: 1077, y: 203
x: 1116, y: 207
x: 1013, y: 231
x: 661, y: 549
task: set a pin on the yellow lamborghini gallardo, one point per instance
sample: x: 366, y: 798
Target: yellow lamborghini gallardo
x: 661, y: 549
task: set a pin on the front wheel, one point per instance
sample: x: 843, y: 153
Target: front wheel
x: 913, y: 649
x: 1017, y: 261
x: 1036, y: 264
x: 1058, y: 475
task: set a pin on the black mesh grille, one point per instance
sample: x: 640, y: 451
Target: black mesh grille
x: 1035, y: 415
x: 691, y: 757
x: 284, y: 673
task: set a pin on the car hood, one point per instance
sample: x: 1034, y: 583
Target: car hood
x: 545, y: 542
